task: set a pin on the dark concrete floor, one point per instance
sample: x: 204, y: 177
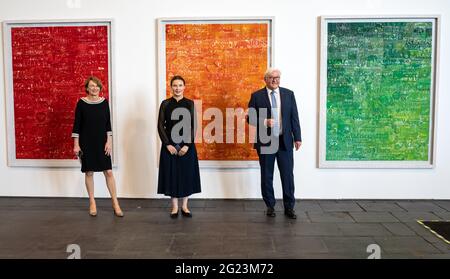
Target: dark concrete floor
x: 230, y: 229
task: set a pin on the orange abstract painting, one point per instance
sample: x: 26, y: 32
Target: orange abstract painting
x: 222, y: 65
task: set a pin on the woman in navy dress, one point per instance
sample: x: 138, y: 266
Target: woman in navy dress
x: 179, y: 175
x: 92, y: 136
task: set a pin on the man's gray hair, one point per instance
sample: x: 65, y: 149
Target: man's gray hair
x: 270, y: 71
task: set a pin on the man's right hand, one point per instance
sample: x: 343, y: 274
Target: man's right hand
x: 172, y: 150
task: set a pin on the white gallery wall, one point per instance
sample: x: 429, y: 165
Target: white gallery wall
x: 296, y: 44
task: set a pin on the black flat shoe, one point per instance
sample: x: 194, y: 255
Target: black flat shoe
x: 186, y: 214
x: 174, y: 215
x: 290, y: 213
x: 270, y: 212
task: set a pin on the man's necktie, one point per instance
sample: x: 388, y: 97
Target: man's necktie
x: 276, y: 127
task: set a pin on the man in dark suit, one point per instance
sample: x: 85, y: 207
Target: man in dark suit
x: 273, y: 111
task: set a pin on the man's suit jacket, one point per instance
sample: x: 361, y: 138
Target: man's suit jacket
x: 290, y: 123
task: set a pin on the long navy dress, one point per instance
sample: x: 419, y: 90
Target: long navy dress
x: 179, y: 176
x: 92, y: 126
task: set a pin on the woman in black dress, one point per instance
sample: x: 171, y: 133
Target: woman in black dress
x: 92, y: 136
x: 179, y: 175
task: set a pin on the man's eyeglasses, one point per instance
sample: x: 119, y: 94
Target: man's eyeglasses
x: 273, y: 78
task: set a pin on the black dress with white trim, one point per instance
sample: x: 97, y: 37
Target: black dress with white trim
x: 92, y: 126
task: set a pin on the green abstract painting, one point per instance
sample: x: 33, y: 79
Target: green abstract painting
x: 379, y: 78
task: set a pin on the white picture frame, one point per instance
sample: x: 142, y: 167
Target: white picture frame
x: 13, y: 161
x: 323, y: 161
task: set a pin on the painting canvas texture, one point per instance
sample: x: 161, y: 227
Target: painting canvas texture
x: 379, y: 78
x: 49, y: 67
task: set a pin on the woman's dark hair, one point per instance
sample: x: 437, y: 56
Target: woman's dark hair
x: 177, y: 78
x: 96, y: 80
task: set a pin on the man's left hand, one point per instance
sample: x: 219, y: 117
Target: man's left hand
x: 297, y: 145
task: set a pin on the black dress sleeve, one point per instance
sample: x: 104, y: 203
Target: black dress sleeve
x: 161, y: 124
x: 77, y: 121
x: 108, y: 120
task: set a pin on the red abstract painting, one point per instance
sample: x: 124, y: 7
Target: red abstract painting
x: 49, y: 67
x: 222, y: 63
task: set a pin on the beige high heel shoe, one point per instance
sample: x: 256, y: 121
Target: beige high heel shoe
x: 118, y: 213
x: 92, y: 213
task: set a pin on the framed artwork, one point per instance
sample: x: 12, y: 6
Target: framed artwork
x: 46, y: 64
x: 378, y: 93
x: 223, y: 61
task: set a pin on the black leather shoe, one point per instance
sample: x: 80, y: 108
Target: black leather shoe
x: 174, y: 215
x: 186, y: 214
x: 290, y: 213
x: 270, y: 212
